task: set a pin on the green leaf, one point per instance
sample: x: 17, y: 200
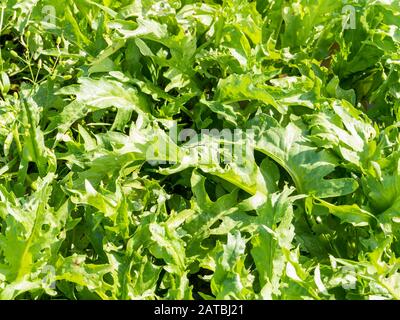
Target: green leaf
x: 350, y: 213
x: 231, y: 279
x: 306, y: 165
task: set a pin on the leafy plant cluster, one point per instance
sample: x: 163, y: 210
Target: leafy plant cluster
x: 87, y: 86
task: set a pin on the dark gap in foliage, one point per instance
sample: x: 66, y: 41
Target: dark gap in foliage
x: 199, y: 284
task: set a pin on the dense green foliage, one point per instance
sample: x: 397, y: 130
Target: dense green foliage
x: 91, y: 90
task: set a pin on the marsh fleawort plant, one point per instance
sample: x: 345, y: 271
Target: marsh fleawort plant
x: 199, y: 149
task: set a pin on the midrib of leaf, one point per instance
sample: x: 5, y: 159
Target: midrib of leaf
x: 271, y: 253
x: 110, y: 98
x: 125, y: 275
x: 180, y: 261
x: 26, y: 257
x: 32, y: 134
